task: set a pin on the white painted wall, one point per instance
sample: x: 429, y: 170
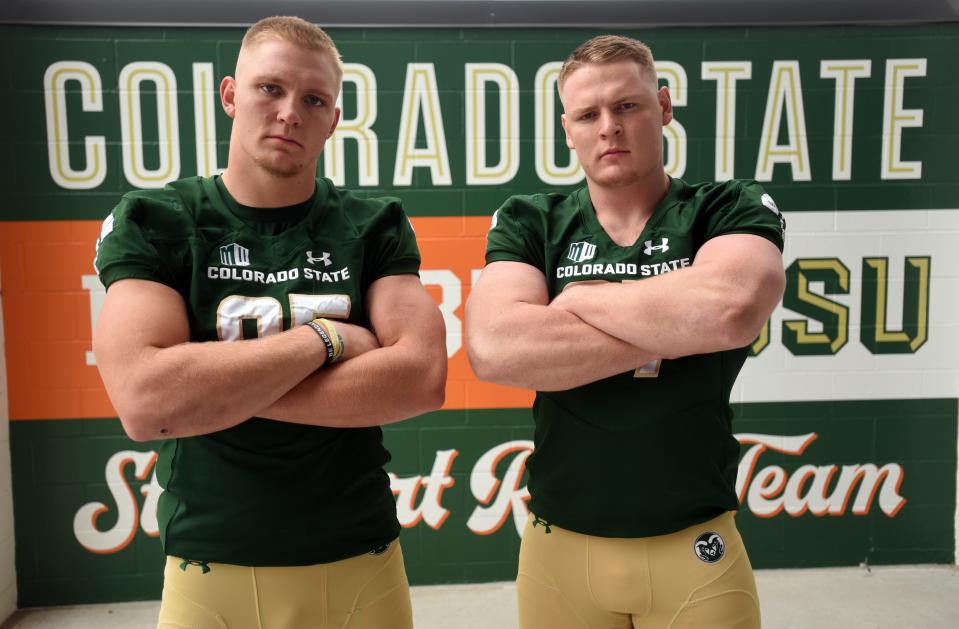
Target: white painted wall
x: 8, y: 574
x: 853, y: 373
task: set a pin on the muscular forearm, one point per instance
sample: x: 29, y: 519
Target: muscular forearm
x: 682, y: 313
x: 197, y: 388
x: 547, y: 349
x: 382, y: 386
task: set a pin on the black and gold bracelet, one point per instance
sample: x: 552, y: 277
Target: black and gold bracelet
x: 324, y: 335
x: 330, y: 337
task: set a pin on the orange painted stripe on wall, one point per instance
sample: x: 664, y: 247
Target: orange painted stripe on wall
x: 47, y: 315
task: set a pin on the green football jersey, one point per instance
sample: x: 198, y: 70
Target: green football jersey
x: 650, y: 451
x: 265, y: 493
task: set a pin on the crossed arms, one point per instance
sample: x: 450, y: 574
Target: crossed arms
x: 164, y: 386
x: 591, y: 331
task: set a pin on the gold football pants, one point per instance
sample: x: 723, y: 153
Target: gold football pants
x: 364, y: 592
x: 697, y: 578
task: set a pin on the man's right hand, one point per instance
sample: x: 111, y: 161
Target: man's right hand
x: 399, y: 371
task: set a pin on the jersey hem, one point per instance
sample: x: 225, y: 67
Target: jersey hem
x: 319, y: 558
x: 770, y: 237
x: 507, y: 256
x: 107, y: 280
x: 632, y: 534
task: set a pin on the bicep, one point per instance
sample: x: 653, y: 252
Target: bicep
x: 400, y: 310
x: 746, y: 264
x: 502, y: 284
x: 138, y: 316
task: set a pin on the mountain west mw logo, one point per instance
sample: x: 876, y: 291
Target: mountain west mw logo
x: 234, y: 255
x: 581, y: 252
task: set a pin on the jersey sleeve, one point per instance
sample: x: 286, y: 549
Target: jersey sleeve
x: 744, y: 207
x: 125, y: 248
x: 392, y: 248
x: 515, y: 234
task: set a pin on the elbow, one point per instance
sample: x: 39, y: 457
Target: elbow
x: 481, y: 359
x: 433, y: 369
x: 130, y: 411
x: 139, y: 426
x: 144, y: 410
x: 732, y: 325
x: 435, y: 396
x: 743, y: 330
x: 488, y: 352
x: 135, y: 435
x: 432, y: 384
x: 495, y: 367
x: 491, y: 348
x: 144, y: 416
x: 745, y: 314
x: 742, y: 323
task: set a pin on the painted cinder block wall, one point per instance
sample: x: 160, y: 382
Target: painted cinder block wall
x: 847, y: 412
x: 8, y: 573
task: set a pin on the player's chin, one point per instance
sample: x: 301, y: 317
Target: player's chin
x: 282, y: 167
x: 614, y: 177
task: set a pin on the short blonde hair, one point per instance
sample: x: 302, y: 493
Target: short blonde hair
x: 296, y: 31
x: 608, y: 49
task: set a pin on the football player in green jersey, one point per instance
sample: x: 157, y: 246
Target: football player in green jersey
x: 628, y: 305
x: 276, y: 511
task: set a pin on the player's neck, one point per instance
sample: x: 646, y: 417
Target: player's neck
x: 624, y: 210
x: 259, y: 188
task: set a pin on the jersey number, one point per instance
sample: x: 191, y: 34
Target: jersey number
x: 649, y: 370
x: 267, y: 313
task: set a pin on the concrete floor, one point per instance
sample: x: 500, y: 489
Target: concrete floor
x: 902, y: 597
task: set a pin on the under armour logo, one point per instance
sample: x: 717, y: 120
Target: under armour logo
x: 325, y: 258
x: 193, y: 562
x: 662, y: 248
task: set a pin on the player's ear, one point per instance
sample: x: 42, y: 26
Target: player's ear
x: 336, y: 121
x: 666, y: 104
x: 569, y: 140
x: 228, y: 95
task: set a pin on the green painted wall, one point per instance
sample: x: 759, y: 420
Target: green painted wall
x: 872, y: 397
